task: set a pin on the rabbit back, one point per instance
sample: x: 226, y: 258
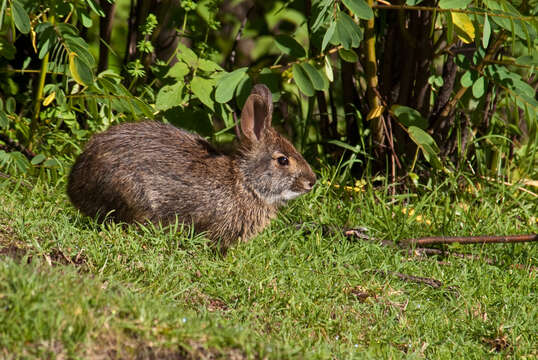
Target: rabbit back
x: 152, y: 171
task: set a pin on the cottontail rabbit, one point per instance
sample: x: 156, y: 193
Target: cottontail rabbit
x: 143, y: 171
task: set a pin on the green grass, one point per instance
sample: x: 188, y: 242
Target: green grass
x: 73, y: 288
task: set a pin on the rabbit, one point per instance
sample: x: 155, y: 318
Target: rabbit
x: 151, y: 171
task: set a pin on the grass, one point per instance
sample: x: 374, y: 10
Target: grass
x: 73, y: 288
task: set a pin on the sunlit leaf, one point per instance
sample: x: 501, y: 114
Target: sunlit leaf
x: 187, y: 55
x: 375, y: 113
x: 454, y: 4
x: 178, y: 71
x: 427, y: 144
x: 169, y: 96
x: 467, y: 79
x: 203, y: 88
x: 49, y: 98
x: 464, y: 28
x: 38, y: 159
x: 479, y: 87
x: 328, y: 69
x: 227, y: 84
x: 486, y: 33
x: 80, y: 72
x: 208, y: 65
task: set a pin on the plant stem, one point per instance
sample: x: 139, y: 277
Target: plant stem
x: 371, y: 77
x: 39, y: 94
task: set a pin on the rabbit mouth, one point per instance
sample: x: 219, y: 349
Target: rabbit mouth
x: 286, y: 195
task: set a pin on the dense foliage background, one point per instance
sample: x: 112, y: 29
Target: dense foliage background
x: 401, y: 88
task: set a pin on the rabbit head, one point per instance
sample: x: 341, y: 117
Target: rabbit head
x: 271, y: 166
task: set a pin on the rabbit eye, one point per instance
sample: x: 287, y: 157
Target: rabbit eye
x: 282, y: 160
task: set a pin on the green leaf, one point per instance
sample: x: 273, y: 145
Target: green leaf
x: 79, y: 70
x: 7, y: 49
x: 341, y: 35
x: 359, y: 8
x: 449, y: 27
x: 77, y: 45
x: 85, y: 19
x: 518, y: 27
x: 208, y: 66
x: 328, y: 69
x: 353, y: 149
x: 486, y: 33
x: 467, y: 79
x: 178, y: 71
x: 203, y: 88
x: 227, y: 84
x: 348, y: 55
x: 47, y: 39
x: 314, y: 75
x: 169, y: 96
x: 350, y: 28
x: 20, y: 161
x: 409, y: 116
x: 289, y: 46
x: 527, y: 60
x: 187, y: 55
x: 11, y: 105
x: 454, y: 4
x: 242, y: 91
x: 427, y: 144
x: 4, y: 122
x: 272, y: 80
x: 20, y: 17
x: 38, y: 159
x: 95, y: 7
x: 479, y: 87
x: 328, y: 35
x: 302, y: 80
x: 51, y: 163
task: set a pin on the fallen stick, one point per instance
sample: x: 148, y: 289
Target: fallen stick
x: 433, y: 252
x: 434, y: 240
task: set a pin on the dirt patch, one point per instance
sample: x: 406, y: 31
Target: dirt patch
x: 10, y: 246
x: 59, y: 257
x: 498, y: 344
x: 12, y: 251
x: 122, y: 346
x: 197, y: 298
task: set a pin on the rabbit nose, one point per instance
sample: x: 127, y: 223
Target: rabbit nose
x: 309, y: 184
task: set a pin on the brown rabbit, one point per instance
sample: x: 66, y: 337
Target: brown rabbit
x: 143, y: 171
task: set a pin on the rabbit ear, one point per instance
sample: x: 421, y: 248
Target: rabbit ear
x: 257, y: 113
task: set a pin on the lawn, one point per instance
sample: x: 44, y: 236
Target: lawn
x: 74, y: 288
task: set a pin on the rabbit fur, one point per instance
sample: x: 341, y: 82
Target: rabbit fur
x: 150, y: 171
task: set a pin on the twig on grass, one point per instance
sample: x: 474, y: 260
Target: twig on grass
x: 434, y: 252
x: 12, y: 144
x: 435, y: 240
x: 22, y: 182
